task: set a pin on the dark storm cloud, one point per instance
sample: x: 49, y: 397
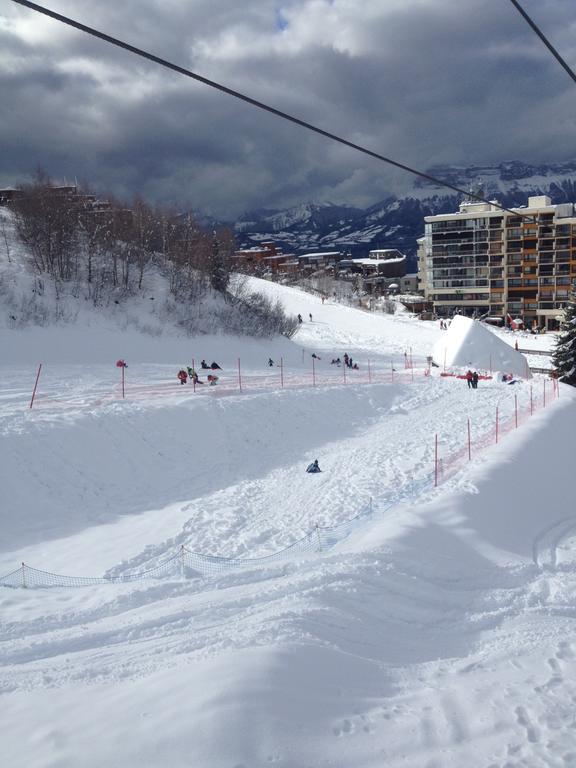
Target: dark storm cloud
x: 423, y: 81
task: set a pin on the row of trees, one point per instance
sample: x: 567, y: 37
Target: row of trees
x: 101, y: 250
x: 73, y: 237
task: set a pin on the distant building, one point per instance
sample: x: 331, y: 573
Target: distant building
x: 481, y: 260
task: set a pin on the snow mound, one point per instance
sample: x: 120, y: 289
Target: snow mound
x: 469, y: 344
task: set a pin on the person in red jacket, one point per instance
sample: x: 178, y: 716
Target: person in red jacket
x: 469, y: 377
x: 183, y: 376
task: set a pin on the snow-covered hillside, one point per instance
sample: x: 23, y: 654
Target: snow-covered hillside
x: 437, y: 634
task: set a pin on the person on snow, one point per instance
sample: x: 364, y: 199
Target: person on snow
x: 315, y: 356
x: 215, y: 366
x: 299, y: 318
x: 212, y: 379
x: 346, y: 359
x: 270, y: 362
x: 182, y: 376
x: 475, y: 380
x: 310, y: 316
x: 204, y: 365
x: 469, y: 377
x: 194, y: 379
x: 313, y: 468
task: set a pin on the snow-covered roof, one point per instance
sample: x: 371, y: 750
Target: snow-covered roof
x: 469, y: 344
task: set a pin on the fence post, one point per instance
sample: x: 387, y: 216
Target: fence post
x: 412, y: 373
x: 496, y: 423
x: 411, y: 363
x: 282, y: 372
x: 469, y: 443
x: 444, y: 359
x: 544, y: 396
x: 371, y: 507
x: 531, y: 402
x: 123, y: 382
x: 344, y: 371
x: 369, y: 373
x: 318, y: 537
x: 23, y: 575
x: 194, y: 378
x: 313, y: 371
x: 239, y: 376
x: 490, y: 364
x: 516, y: 411
x: 392, y: 369
x: 35, y: 385
x: 435, y: 460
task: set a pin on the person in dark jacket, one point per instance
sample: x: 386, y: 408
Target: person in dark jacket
x: 215, y: 366
x: 475, y: 380
x: 270, y: 362
x: 204, y: 365
x: 313, y: 468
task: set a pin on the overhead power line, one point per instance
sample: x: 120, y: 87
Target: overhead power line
x: 544, y: 39
x: 255, y: 103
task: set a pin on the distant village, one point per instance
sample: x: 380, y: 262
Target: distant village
x: 509, y: 267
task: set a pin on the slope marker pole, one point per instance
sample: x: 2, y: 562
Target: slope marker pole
x: 35, y: 385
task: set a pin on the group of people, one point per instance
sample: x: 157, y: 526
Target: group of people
x: 300, y: 317
x: 443, y: 325
x: 472, y: 379
x: 189, y: 374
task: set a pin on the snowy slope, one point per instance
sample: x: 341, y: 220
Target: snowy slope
x: 438, y: 634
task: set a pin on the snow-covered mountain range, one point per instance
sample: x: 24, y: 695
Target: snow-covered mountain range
x: 397, y: 220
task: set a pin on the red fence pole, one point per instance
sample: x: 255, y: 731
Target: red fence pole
x: 123, y: 382
x: 239, y: 376
x: 282, y: 372
x: 516, y: 410
x: 194, y: 377
x: 35, y: 385
x: 496, y: 423
x: 435, y: 460
x: 313, y: 372
x: 469, y: 443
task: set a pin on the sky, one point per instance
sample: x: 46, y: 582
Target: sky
x: 425, y: 82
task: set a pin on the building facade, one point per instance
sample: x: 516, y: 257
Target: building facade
x: 482, y: 260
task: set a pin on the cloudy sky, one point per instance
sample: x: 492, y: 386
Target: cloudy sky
x: 422, y: 81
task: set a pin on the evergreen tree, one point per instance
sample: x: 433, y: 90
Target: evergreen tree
x: 564, y: 357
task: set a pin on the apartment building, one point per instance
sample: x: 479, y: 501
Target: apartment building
x: 482, y: 260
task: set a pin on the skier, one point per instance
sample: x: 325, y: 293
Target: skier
x: 475, y: 380
x: 469, y: 377
x: 313, y: 468
x: 212, y: 379
x: 204, y: 365
x: 270, y: 362
x: 182, y: 375
x: 299, y: 318
x: 310, y: 316
x: 194, y: 378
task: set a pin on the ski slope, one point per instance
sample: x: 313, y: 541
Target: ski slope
x: 439, y: 633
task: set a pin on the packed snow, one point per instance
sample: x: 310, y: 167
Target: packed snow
x: 470, y: 344
x: 438, y: 634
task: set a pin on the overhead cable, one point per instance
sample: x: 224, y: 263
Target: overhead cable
x: 544, y: 39
x: 255, y: 103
